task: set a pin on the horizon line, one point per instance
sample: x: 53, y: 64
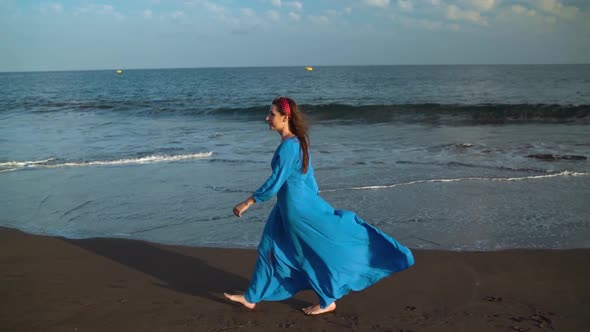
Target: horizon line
x: 292, y: 66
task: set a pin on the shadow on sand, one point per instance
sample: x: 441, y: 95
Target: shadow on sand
x: 176, y: 271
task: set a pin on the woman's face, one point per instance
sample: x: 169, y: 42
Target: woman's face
x: 275, y: 120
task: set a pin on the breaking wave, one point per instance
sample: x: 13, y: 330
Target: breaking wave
x: 56, y: 162
x: 533, y: 177
x: 425, y: 112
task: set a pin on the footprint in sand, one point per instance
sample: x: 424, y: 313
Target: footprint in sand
x: 492, y: 299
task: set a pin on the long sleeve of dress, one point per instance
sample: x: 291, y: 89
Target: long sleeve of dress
x: 282, y: 164
x: 311, y: 182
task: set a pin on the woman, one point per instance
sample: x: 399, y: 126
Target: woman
x: 306, y: 244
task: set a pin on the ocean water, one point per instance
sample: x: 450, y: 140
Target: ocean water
x: 439, y: 157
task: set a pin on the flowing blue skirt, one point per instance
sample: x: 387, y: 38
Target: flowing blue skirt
x: 307, y: 244
x: 329, y: 251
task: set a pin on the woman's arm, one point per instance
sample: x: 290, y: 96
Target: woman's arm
x: 282, y: 167
x: 243, y: 206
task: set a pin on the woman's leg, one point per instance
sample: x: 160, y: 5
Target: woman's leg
x: 262, y: 278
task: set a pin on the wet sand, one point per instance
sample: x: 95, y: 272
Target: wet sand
x: 57, y: 284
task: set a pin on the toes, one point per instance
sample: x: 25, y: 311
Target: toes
x: 231, y: 297
x: 317, y: 310
x: 310, y: 310
x: 239, y: 299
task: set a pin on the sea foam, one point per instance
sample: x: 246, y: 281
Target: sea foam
x: 156, y: 158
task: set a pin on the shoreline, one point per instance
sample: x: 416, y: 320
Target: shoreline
x: 112, y: 284
x: 225, y: 246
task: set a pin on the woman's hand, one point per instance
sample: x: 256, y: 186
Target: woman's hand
x: 243, y: 206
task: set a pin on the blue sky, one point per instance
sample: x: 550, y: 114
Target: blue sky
x: 87, y: 34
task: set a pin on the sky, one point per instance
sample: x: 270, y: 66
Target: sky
x: 126, y: 34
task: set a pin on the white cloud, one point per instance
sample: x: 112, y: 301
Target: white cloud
x: 98, y: 9
x: 193, y: 3
x: 147, y: 14
x: 214, y: 8
x: 482, y: 5
x: 457, y: 14
x: 319, y: 19
x: 177, y: 14
x: 521, y: 10
x: 435, y: 2
x: 527, y: 18
x: 377, y: 3
x: 348, y: 10
x: 248, y: 12
x: 405, y: 4
x: 295, y: 4
x: 294, y: 16
x: 56, y: 7
x: 543, y: 12
x: 557, y: 8
x: 273, y: 15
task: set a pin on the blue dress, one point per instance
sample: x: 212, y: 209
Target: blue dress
x: 307, y: 244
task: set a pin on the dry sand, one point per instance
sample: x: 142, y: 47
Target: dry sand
x: 56, y: 284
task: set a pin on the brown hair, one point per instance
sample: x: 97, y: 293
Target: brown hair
x: 298, y: 125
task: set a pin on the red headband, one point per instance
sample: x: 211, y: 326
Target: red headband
x: 285, y: 106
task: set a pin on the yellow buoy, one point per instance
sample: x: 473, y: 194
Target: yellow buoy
x: 309, y: 68
x: 119, y: 71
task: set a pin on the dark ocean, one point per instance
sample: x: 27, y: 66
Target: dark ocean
x: 439, y: 157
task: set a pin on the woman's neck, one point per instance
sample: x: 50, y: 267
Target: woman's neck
x: 286, y: 134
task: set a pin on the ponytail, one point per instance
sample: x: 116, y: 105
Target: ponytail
x: 298, y: 125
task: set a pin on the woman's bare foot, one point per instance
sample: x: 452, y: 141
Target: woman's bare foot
x: 316, y: 310
x: 240, y: 299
